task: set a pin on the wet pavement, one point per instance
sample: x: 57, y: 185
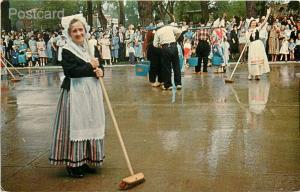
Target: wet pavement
x: 208, y: 136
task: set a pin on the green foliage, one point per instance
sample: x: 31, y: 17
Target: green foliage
x: 232, y: 8
x: 111, y: 8
x: 51, y: 22
x: 181, y: 8
x: 131, y: 12
x: 294, y: 5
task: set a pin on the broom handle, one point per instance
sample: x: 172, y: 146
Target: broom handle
x: 8, y: 69
x: 12, y: 66
x: 238, y: 61
x: 116, y: 126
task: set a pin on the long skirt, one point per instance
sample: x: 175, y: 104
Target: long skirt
x: 138, y: 50
x: 106, y: 54
x: 273, y: 46
x: 257, y: 59
x: 49, y: 50
x: 115, y: 53
x: 21, y: 58
x: 67, y: 152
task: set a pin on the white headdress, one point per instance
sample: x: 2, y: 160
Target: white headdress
x: 65, y: 22
x: 85, y: 52
x: 219, y: 23
x: 216, y: 23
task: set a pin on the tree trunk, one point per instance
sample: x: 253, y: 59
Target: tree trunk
x: 204, y: 10
x: 101, y: 17
x: 5, y: 21
x: 122, y: 13
x: 145, y: 12
x: 159, y: 9
x: 251, y: 9
x: 170, y: 10
x: 90, y: 12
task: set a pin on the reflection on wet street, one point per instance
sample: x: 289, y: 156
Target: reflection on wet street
x: 209, y: 136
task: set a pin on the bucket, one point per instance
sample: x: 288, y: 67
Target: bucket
x: 216, y: 60
x: 142, y: 68
x: 193, y: 61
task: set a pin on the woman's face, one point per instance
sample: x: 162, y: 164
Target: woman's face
x: 77, y: 32
x: 253, y: 24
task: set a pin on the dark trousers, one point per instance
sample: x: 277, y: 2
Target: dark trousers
x: 122, y: 52
x: 154, y: 56
x: 131, y: 58
x: 169, y: 61
x: 54, y: 57
x: 155, y: 71
x: 202, y: 52
x: 297, y: 53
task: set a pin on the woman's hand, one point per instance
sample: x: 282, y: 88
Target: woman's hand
x: 99, y: 72
x: 95, y: 63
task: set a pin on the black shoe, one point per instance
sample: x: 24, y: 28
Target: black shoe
x: 75, y: 172
x: 86, y: 169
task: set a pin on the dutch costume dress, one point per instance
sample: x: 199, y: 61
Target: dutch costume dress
x: 257, y: 58
x: 22, y: 51
x: 78, y: 130
x: 41, y: 47
x: 217, y: 39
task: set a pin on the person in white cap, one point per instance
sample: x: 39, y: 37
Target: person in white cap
x: 165, y: 37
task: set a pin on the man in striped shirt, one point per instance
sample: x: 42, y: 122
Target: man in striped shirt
x: 203, y: 48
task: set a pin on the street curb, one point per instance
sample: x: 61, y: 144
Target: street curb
x: 129, y: 65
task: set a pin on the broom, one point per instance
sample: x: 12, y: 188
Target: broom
x: 237, y: 63
x: 134, y: 179
x: 20, y: 74
x: 13, y: 79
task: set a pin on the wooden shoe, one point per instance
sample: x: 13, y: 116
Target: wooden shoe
x: 87, y: 169
x: 164, y: 88
x: 75, y: 172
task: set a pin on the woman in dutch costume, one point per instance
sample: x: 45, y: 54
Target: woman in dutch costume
x: 217, y: 38
x: 257, y: 58
x: 78, y: 133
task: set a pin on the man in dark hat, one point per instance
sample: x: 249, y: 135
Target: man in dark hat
x: 165, y: 37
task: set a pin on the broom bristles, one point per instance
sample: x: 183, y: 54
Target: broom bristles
x: 229, y: 81
x: 132, y: 181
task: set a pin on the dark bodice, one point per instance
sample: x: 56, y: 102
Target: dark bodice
x: 75, y: 67
x: 256, y: 36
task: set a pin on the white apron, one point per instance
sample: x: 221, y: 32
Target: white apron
x: 87, y: 116
x: 257, y: 59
